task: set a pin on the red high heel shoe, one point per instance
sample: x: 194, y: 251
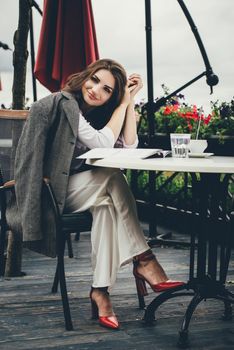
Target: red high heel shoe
x: 140, y: 279
x: 105, y: 321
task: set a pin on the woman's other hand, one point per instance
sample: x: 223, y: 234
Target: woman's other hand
x: 134, y: 84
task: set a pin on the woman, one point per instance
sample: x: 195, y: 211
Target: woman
x: 95, y: 109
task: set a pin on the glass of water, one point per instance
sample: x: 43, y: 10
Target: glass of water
x: 180, y: 145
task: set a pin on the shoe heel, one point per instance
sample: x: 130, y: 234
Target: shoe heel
x: 94, y: 310
x: 141, y: 287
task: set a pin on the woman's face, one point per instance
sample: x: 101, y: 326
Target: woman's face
x: 99, y: 88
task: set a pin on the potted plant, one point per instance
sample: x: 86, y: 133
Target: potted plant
x: 220, y: 129
x: 175, y: 117
x: 179, y: 117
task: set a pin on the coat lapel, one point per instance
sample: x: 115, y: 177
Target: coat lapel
x: 72, y: 111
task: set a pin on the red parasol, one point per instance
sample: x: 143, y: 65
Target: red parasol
x: 67, y: 41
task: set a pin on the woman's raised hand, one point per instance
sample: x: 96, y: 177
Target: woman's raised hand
x: 134, y: 84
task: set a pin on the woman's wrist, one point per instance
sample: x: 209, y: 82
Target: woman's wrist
x: 131, y: 104
x: 124, y: 105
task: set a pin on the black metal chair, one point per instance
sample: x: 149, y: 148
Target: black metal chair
x: 65, y: 225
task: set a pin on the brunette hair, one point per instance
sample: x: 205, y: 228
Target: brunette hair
x: 75, y: 82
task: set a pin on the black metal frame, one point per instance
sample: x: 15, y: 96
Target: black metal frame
x: 214, y: 244
x: 152, y: 106
x: 212, y: 79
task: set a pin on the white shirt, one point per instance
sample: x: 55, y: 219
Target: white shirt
x: 103, y: 138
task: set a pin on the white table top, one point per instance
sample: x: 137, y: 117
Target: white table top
x: 212, y: 164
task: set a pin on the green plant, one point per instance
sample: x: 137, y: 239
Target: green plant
x: 221, y: 120
x: 178, y: 117
x: 172, y: 190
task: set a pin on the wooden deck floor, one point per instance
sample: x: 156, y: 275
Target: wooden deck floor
x: 31, y: 317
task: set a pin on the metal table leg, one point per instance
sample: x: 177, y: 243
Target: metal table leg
x: 213, y: 251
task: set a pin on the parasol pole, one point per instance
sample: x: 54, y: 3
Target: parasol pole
x: 150, y: 116
x: 149, y: 58
x: 32, y: 47
x: 31, y: 32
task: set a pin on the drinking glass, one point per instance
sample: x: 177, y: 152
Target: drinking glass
x: 180, y: 145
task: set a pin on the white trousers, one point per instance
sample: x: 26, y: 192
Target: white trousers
x: 116, y: 235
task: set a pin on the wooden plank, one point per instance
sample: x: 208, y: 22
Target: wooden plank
x: 31, y: 317
x: 13, y: 114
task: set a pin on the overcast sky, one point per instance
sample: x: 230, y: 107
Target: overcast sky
x: 120, y: 27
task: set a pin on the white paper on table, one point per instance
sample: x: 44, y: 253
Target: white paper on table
x: 136, y: 153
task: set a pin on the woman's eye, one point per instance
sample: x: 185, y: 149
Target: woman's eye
x: 95, y: 79
x: 107, y: 90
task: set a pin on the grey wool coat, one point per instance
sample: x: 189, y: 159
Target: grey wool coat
x: 30, y: 212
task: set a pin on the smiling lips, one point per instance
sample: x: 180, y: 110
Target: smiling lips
x: 92, y: 96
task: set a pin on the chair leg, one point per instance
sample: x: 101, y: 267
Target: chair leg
x: 63, y: 290
x: 54, y: 288
x: 60, y: 278
x: 69, y: 246
x: 60, y: 248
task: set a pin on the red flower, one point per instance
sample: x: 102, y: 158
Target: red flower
x: 207, y: 119
x: 176, y: 107
x: 190, y: 126
x: 167, y: 110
